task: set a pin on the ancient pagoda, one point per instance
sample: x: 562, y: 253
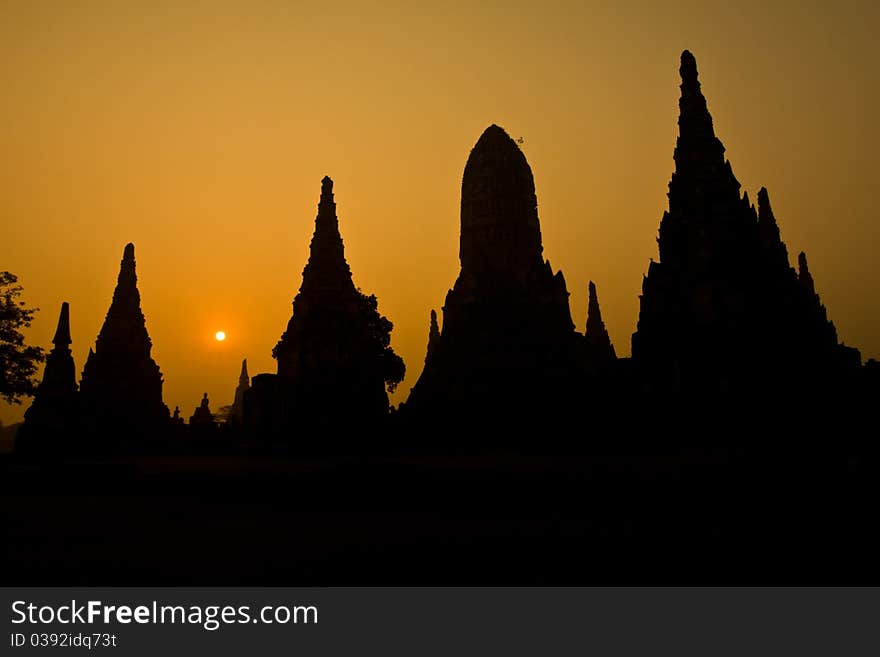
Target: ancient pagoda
x: 723, y: 303
x: 508, y: 342
x: 335, y: 358
x: 236, y: 415
x: 52, y: 421
x: 121, y: 383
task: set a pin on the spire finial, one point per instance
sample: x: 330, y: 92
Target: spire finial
x: 764, y: 209
x: 62, y: 333
x: 243, y: 377
x: 433, y: 336
x: 688, y: 69
x: 127, y: 280
x: 593, y: 303
x: 326, y: 187
x: 326, y: 266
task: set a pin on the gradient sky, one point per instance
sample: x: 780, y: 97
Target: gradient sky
x: 201, y: 134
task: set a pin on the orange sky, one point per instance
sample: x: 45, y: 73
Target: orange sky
x: 201, y: 133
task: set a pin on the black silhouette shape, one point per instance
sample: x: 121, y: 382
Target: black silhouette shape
x: 121, y: 386
x: 508, y: 344
x: 18, y: 361
x: 202, y: 416
x: 722, y: 310
x: 236, y: 413
x: 52, y: 421
x: 335, y: 358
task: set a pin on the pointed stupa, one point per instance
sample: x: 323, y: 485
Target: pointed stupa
x: 244, y: 384
x: 507, y: 328
x: 722, y: 303
x: 327, y: 288
x: 697, y: 148
x: 62, y: 332
x: 121, y: 383
x: 330, y: 368
x: 703, y: 192
x: 327, y: 268
x: 124, y: 330
x: 52, y: 421
x: 500, y: 232
x: 596, y: 333
x: 53, y: 415
x: 804, y: 276
x: 771, y: 239
x: 433, y: 336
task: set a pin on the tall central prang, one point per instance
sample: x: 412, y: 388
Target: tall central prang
x: 507, y: 340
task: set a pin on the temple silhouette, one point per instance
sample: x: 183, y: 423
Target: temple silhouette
x: 334, y: 358
x: 723, y: 302
x: 121, y: 386
x: 54, y: 413
x: 724, y: 317
x: 734, y: 445
x: 508, y: 343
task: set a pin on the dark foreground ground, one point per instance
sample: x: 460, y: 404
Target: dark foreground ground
x: 660, y: 516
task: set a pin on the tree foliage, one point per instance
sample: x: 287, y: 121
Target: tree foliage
x: 379, y: 329
x: 18, y: 362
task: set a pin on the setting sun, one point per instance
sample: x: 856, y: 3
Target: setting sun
x: 220, y: 336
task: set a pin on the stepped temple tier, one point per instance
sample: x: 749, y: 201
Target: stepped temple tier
x: 52, y: 420
x: 121, y: 387
x: 335, y: 358
x: 507, y: 340
x: 723, y: 309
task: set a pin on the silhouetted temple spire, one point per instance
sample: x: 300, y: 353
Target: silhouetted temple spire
x: 334, y: 356
x: 697, y: 147
x: 433, y: 336
x: 62, y: 332
x: 124, y: 328
x: 596, y: 333
x: 244, y: 384
x: 723, y: 301
x: 508, y: 338
x: 326, y: 268
x: 498, y: 206
x: 804, y: 275
x: 121, y: 383
x: 771, y: 239
x: 53, y: 415
x: 765, y: 212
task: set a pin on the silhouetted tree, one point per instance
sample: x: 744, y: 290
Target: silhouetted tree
x: 223, y: 414
x: 18, y: 362
x: 379, y: 327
